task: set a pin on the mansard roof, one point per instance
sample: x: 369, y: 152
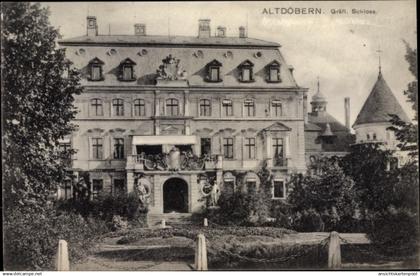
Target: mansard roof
x: 148, y: 59
x: 380, y: 103
x: 167, y: 40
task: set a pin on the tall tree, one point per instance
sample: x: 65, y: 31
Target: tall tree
x: 37, y: 98
x: 407, y: 132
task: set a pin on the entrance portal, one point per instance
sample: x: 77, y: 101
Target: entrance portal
x: 175, y: 196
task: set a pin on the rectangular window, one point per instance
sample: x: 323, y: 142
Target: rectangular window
x: 205, y: 146
x: 228, y: 148
x: 97, y: 108
x: 227, y: 107
x: 67, y: 189
x: 119, y: 186
x: 119, y: 148
x: 251, y: 186
x: 246, y: 74
x: 249, y: 107
x: 205, y: 108
x: 97, y: 148
x: 278, y: 159
x: 277, y: 108
x: 172, y: 107
x: 96, y: 72
x: 214, y: 73
x: 118, y: 106
x: 250, y: 148
x: 274, y: 74
x: 64, y: 148
x: 278, y: 189
x: 97, y: 187
x: 127, y: 72
x: 139, y: 108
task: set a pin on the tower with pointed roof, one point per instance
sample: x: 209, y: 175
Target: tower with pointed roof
x: 324, y: 134
x: 374, y: 118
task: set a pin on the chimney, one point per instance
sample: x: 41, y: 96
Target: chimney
x: 92, y: 27
x: 242, y: 32
x: 204, y: 28
x: 347, y: 111
x: 140, y: 29
x: 221, y: 31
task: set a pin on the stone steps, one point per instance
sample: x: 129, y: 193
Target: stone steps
x: 171, y: 219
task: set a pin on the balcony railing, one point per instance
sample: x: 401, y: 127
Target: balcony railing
x: 170, y: 161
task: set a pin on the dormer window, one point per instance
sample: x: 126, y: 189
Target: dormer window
x: 273, y: 72
x: 95, y: 70
x: 213, y: 71
x: 245, y: 69
x: 127, y: 70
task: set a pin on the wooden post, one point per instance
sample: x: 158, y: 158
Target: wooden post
x: 62, y: 256
x: 334, y: 251
x: 163, y: 223
x: 206, y: 223
x: 201, y: 253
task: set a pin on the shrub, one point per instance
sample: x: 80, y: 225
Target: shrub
x: 33, y: 237
x: 106, y: 207
x: 308, y: 221
x: 395, y: 232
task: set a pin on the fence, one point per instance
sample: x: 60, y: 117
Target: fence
x: 333, y: 241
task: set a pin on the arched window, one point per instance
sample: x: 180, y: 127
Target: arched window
x: 118, y: 107
x: 172, y: 107
x: 96, y: 107
x: 249, y: 108
x: 139, y: 107
x: 205, y: 107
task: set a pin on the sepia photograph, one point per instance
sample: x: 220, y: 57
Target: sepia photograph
x: 209, y: 136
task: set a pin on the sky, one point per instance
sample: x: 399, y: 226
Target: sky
x: 341, y: 49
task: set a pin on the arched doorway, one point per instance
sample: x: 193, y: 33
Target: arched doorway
x: 175, y: 196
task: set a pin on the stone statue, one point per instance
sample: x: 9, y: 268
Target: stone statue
x: 142, y: 189
x: 174, y: 159
x: 214, y: 195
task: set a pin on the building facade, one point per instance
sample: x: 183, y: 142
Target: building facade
x: 183, y: 113
x: 325, y: 136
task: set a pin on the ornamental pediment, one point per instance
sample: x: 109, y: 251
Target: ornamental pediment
x: 171, y: 70
x: 277, y: 127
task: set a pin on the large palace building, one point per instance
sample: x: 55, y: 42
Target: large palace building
x: 182, y: 112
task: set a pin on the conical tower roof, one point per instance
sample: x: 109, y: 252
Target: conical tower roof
x: 318, y: 97
x: 379, y: 104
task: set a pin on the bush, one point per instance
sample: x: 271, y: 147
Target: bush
x: 31, y: 238
x: 106, y: 207
x: 395, y: 232
x: 308, y: 221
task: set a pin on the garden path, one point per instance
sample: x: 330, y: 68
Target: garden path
x: 110, y: 256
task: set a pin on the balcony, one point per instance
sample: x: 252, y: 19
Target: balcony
x: 171, y: 162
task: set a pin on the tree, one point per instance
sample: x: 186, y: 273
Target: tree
x: 407, y: 132
x: 38, y: 89
x: 327, y: 192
